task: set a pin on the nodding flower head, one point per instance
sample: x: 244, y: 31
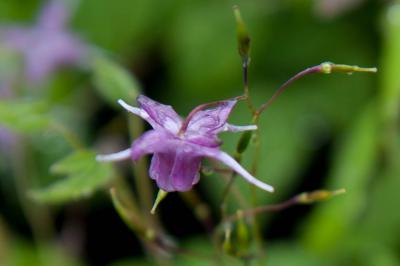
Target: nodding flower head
x: 178, y: 146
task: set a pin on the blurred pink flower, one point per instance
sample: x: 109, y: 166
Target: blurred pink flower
x: 47, y: 45
x: 179, y: 146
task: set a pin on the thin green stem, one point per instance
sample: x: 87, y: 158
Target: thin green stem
x: 263, y: 209
x: 300, y: 199
x: 38, y: 217
x: 142, y: 180
x: 249, y: 102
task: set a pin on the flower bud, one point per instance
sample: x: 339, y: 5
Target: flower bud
x: 242, y: 236
x: 227, y: 245
x: 244, y: 142
x: 243, y: 37
x: 318, y: 195
x: 328, y: 68
x: 237, y: 238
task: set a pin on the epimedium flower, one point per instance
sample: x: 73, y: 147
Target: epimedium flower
x: 47, y: 45
x: 178, y: 146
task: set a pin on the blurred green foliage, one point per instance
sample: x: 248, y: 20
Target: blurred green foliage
x: 189, y: 50
x: 84, y: 175
x: 24, y: 116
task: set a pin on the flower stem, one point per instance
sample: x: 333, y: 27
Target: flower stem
x: 300, y: 199
x: 39, y: 217
x: 310, y: 70
x: 324, y: 68
x: 247, y: 97
x: 144, y: 188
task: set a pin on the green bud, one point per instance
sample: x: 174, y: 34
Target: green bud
x: 318, y: 195
x: 244, y: 142
x: 243, y: 37
x: 227, y: 245
x: 160, y: 196
x: 328, y: 68
x: 242, y: 236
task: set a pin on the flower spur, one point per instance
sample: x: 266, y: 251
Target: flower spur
x: 178, y: 146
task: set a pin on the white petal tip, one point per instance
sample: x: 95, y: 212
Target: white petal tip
x: 233, y: 128
x: 118, y: 156
x: 134, y: 110
x: 269, y: 189
x: 103, y: 158
x: 232, y: 163
x: 263, y: 186
x: 122, y: 103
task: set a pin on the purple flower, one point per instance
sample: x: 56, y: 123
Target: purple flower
x: 47, y: 45
x: 178, y: 146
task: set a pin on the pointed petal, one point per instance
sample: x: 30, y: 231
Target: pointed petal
x: 163, y: 115
x: 54, y: 15
x: 139, y: 112
x: 233, y: 128
x: 210, y: 121
x: 16, y: 38
x: 229, y: 161
x: 118, y: 156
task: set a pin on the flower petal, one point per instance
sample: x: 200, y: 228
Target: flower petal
x: 208, y: 140
x: 53, y: 15
x: 154, y: 141
x: 16, y: 38
x: 185, y: 172
x: 233, y: 128
x: 175, y: 171
x: 118, y: 156
x: 139, y: 112
x: 160, y: 170
x: 229, y: 161
x: 163, y: 115
x: 212, y: 120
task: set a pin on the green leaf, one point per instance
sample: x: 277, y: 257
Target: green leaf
x: 84, y: 176
x: 353, y: 165
x: 390, y: 80
x: 382, y: 221
x: 24, y: 116
x: 113, y: 82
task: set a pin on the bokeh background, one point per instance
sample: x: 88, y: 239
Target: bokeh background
x: 326, y: 131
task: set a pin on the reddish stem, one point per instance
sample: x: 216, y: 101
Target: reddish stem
x: 310, y: 70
